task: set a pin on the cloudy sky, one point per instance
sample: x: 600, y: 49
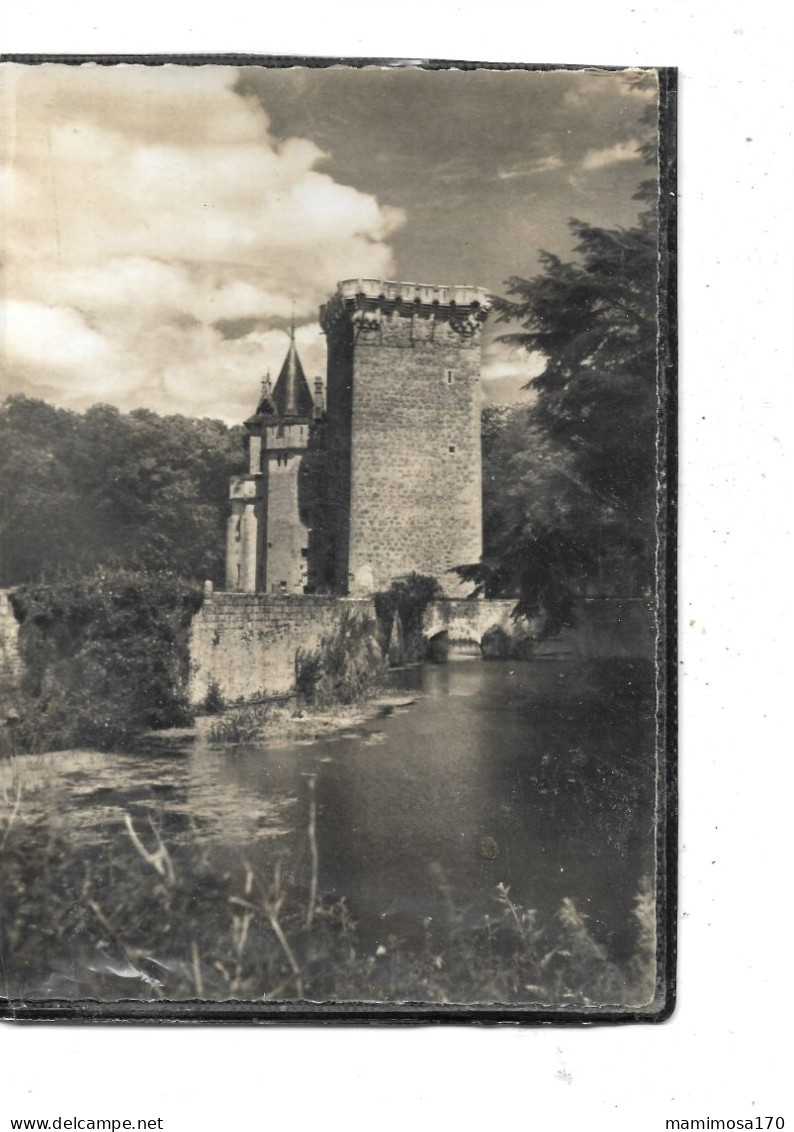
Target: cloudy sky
x: 159, y: 223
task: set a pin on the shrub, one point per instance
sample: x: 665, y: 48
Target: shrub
x: 241, y: 726
x: 346, y: 666
x: 308, y: 669
x: 407, y: 599
x: 214, y: 702
x: 105, y: 656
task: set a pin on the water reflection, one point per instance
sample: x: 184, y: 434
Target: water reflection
x: 537, y: 775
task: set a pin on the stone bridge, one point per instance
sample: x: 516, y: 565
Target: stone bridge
x: 605, y: 627
x: 463, y: 619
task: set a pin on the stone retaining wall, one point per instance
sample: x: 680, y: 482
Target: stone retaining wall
x: 246, y: 643
x: 10, y: 660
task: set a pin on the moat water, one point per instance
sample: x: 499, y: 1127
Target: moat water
x: 539, y: 775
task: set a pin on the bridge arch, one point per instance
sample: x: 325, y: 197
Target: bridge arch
x: 463, y: 619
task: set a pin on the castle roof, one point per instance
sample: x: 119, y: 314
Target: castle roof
x: 291, y: 396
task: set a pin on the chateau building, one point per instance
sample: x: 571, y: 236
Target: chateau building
x: 267, y: 536
x: 387, y: 479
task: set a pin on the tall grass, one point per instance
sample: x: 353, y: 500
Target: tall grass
x: 161, y: 918
x: 241, y: 724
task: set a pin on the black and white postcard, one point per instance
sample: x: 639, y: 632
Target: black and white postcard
x: 337, y: 567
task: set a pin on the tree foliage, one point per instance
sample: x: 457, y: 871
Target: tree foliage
x: 594, y: 321
x: 537, y: 537
x: 406, y: 600
x: 105, y: 655
x: 125, y: 491
x: 570, y: 479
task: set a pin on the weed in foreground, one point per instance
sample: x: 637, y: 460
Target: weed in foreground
x: 240, y: 725
x: 160, y: 919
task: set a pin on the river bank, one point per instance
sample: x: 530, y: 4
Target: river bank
x: 487, y: 836
x: 292, y: 720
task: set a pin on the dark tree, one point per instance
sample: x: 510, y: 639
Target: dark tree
x: 132, y: 491
x: 569, y: 481
x: 595, y: 323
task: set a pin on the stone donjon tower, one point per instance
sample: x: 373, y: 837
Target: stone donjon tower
x: 267, y: 535
x: 402, y: 433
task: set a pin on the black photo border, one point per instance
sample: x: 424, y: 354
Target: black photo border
x: 413, y: 1013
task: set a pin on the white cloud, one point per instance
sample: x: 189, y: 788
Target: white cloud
x: 30, y: 330
x: 532, y: 168
x: 601, y: 158
x: 506, y: 370
x: 143, y: 206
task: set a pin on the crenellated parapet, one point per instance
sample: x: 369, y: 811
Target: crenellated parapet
x: 386, y: 312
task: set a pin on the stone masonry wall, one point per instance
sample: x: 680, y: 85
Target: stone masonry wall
x: 415, y: 462
x: 286, y: 564
x: 10, y: 659
x: 246, y: 643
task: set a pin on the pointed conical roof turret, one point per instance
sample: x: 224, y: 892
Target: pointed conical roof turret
x: 266, y: 396
x: 292, y: 397
x: 265, y: 408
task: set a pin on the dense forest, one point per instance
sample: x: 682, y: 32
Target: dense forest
x: 106, y: 489
x: 108, y: 523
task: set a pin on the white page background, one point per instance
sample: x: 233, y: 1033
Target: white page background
x: 722, y: 1054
